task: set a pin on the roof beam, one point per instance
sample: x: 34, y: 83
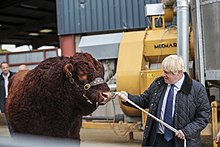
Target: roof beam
x: 47, y: 40
x: 9, y: 3
x: 7, y: 33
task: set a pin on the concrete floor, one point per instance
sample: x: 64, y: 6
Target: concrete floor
x: 107, y: 138
x: 98, y: 137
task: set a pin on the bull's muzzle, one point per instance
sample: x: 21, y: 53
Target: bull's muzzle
x: 107, y: 96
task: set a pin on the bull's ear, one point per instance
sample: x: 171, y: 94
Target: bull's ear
x: 68, y: 69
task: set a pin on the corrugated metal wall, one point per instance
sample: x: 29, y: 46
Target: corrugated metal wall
x: 30, y: 58
x: 83, y: 16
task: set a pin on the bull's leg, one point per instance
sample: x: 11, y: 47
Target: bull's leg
x: 74, y: 130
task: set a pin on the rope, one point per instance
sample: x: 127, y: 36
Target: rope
x: 157, y: 119
x: 121, y: 132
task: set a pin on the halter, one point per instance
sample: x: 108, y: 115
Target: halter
x: 86, y: 87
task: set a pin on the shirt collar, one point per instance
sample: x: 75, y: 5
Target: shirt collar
x: 179, y: 83
x: 6, y: 75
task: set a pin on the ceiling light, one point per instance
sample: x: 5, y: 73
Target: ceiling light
x: 33, y: 34
x: 29, y: 6
x: 46, y: 30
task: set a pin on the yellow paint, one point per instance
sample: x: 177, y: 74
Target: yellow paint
x: 129, y: 66
x: 147, y: 77
x: 215, y: 127
x: 160, y: 43
x: 104, y: 125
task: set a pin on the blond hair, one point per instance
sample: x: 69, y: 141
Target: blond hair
x: 173, y: 63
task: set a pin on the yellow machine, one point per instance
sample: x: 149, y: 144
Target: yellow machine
x: 138, y: 52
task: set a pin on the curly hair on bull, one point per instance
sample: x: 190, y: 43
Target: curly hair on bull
x: 93, y: 62
x: 44, y: 101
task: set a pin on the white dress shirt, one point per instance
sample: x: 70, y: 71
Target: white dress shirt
x: 6, y: 83
x: 177, y: 87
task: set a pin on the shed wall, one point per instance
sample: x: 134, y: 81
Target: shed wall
x: 87, y: 16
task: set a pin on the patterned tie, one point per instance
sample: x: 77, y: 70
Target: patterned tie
x: 168, y: 134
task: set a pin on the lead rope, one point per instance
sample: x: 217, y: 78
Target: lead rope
x: 157, y: 119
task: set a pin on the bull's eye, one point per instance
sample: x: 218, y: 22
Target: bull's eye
x: 82, y: 76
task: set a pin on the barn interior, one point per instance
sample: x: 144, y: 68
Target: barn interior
x: 29, y: 22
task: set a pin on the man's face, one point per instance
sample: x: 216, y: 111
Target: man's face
x: 170, y: 77
x: 5, y: 68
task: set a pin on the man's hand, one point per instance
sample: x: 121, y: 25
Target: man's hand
x: 217, y: 138
x: 123, y: 95
x: 180, y: 134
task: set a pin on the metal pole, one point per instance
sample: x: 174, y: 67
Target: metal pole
x: 183, y: 31
x: 199, y: 42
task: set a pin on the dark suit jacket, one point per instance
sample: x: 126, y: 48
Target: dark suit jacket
x: 2, y: 92
x: 191, y: 115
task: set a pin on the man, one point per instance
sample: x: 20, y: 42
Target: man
x: 4, y: 79
x: 177, y: 100
x: 22, y: 67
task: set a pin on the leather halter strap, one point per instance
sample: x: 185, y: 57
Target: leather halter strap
x: 96, y: 81
x: 86, y: 87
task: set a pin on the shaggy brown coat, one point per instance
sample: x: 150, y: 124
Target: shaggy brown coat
x: 49, y: 101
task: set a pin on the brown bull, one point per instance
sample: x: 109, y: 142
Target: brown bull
x: 51, y: 99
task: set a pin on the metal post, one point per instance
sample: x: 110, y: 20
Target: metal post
x: 199, y: 42
x: 183, y: 31
x: 214, y: 105
x: 67, y: 44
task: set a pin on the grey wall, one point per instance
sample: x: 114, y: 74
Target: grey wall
x: 86, y: 16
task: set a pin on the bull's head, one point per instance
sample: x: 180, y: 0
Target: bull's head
x: 87, y: 75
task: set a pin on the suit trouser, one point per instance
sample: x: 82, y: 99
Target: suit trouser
x: 161, y: 142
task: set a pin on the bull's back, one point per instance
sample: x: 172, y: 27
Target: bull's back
x: 16, y: 80
x: 14, y: 86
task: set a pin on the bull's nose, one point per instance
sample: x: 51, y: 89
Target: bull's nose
x: 107, y: 96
